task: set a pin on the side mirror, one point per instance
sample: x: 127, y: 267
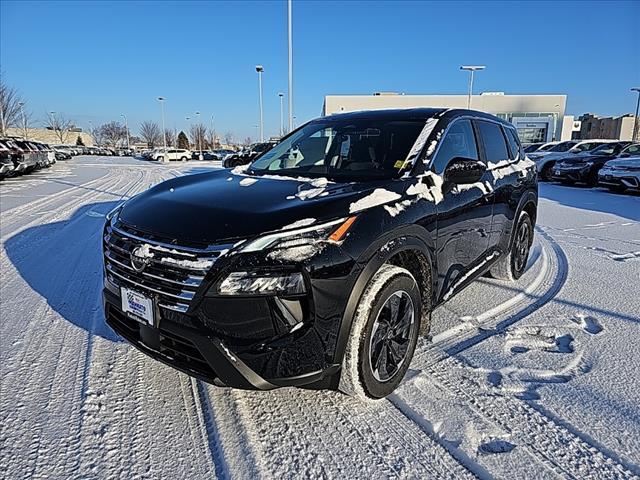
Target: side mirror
x: 462, y: 171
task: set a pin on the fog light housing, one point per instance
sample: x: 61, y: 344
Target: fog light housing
x: 262, y: 283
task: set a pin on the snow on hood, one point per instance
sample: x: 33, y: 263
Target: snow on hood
x: 245, y: 182
x: 379, y: 196
x: 305, y: 222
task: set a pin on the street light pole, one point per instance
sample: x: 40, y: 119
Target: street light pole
x: 281, y: 116
x: 260, y: 69
x: 213, y: 134
x: 636, y: 122
x: 24, y: 120
x: 164, y: 132
x: 199, y: 133
x: 472, y: 69
x: 290, y: 45
x: 126, y: 127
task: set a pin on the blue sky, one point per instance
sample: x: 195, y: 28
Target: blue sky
x: 96, y: 60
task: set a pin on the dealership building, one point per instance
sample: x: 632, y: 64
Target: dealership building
x: 538, y: 118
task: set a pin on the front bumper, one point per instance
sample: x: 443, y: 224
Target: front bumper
x: 183, y: 344
x: 572, y: 174
x: 6, y: 168
x: 620, y: 178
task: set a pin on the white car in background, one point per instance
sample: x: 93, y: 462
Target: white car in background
x: 162, y: 154
x: 546, y: 158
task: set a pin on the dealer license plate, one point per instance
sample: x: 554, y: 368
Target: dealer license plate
x: 137, y: 306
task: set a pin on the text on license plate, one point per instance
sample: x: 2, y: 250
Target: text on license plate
x: 137, y: 304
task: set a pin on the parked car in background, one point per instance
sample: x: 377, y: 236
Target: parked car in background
x: 319, y: 264
x: 223, y: 153
x: 622, y: 173
x: 532, y: 147
x: 546, y: 159
x: 25, y: 160
x: 161, y: 154
x: 6, y: 161
x: 61, y: 153
x: 247, y: 156
x: 584, y: 168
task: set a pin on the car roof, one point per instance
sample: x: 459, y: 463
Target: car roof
x: 414, y: 114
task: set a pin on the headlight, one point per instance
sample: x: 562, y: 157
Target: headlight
x: 112, y: 216
x: 324, y: 231
x: 262, y: 283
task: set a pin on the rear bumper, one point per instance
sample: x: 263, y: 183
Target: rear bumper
x: 198, y: 353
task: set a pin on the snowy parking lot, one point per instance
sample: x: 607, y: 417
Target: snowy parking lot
x: 536, y: 379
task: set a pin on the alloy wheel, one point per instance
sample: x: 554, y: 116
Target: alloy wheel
x: 391, y: 336
x: 521, y: 247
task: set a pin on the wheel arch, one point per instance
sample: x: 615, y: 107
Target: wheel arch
x: 404, y: 247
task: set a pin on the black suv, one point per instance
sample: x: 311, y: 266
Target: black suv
x: 319, y: 263
x: 584, y: 167
x: 248, y: 155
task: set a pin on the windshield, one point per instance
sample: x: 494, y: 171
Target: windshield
x: 357, y: 149
x: 604, y: 149
x: 632, y: 150
x: 531, y: 148
x: 546, y: 148
x: 562, y: 147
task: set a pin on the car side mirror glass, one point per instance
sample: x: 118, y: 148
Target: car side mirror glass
x: 462, y: 171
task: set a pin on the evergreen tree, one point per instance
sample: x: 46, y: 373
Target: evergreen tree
x: 79, y: 141
x: 183, y: 141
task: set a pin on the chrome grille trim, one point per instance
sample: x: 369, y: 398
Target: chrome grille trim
x: 167, y: 278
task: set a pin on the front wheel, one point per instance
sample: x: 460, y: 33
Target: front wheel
x: 160, y: 159
x: 545, y: 173
x: 511, y: 267
x: 383, y: 335
x: 184, y: 159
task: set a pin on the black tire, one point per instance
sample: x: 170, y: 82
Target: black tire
x: 183, y: 159
x: 160, y: 159
x: 545, y: 173
x: 381, y: 346
x: 510, y: 267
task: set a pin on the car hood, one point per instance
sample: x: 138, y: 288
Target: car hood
x: 631, y: 162
x: 220, y: 206
x: 585, y: 157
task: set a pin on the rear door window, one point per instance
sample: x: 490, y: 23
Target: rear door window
x: 495, y: 147
x: 514, y: 144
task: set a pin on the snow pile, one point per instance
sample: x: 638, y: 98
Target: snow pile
x: 398, y: 207
x: 240, y: 169
x: 379, y: 196
x: 305, y: 222
x: 190, y: 264
x: 245, y: 182
x: 426, y: 192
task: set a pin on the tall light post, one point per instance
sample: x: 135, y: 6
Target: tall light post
x: 24, y: 120
x: 199, y: 133
x: 290, y: 49
x: 636, y: 122
x: 126, y: 127
x: 260, y: 69
x: 213, y: 134
x: 164, y: 132
x: 472, y: 69
x: 281, y: 115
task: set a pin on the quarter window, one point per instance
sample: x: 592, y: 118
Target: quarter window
x: 459, y: 141
x: 494, y: 145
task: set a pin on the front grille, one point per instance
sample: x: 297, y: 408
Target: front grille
x: 172, y: 273
x: 178, y: 351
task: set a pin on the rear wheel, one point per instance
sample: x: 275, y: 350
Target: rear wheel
x: 383, y: 335
x: 511, y: 267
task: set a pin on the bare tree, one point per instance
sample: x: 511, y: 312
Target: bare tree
x: 247, y: 141
x: 172, y: 137
x: 9, y: 107
x: 60, y: 125
x: 213, y: 140
x: 228, y: 138
x: 26, y: 120
x: 198, y: 134
x: 113, y: 133
x: 150, y: 132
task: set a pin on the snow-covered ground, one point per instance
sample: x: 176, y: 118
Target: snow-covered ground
x: 537, y: 379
